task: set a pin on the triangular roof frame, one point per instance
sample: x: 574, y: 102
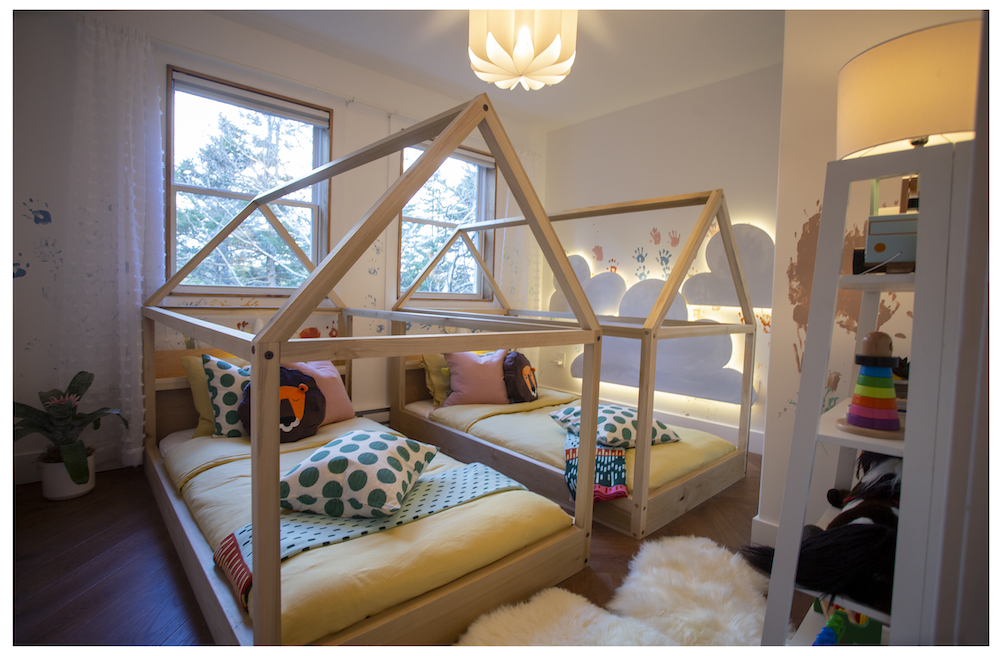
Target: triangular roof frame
x: 714, y: 207
x: 447, y: 130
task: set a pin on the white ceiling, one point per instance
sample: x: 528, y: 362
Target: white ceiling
x: 623, y: 57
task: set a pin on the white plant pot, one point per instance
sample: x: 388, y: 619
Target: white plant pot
x: 57, y: 485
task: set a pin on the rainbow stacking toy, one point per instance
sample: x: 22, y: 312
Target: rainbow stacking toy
x: 873, y: 409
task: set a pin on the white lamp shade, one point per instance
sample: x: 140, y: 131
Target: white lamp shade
x: 919, y: 85
x: 532, y: 47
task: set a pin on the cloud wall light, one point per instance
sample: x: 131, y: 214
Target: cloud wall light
x: 533, y: 48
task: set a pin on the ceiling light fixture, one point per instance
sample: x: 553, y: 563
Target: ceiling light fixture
x: 532, y: 47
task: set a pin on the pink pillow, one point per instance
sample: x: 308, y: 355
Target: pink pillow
x: 476, y: 378
x: 338, y: 404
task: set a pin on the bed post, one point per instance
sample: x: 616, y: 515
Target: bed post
x: 264, y: 422
x: 397, y: 376
x: 347, y: 330
x: 583, y: 512
x: 643, y: 448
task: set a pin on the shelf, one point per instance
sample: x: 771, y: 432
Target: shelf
x: 879, y: 282
x: 830, y: 433
x: 850, y: 604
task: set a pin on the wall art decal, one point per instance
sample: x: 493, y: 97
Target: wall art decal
x: 37, y: 214
x: 675, y: 238
x: 598, y: 253
x: 655, y: 236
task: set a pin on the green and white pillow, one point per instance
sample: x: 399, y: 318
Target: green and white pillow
x: 616, y: 425
x: 225, y: 389
x: 362, y: 473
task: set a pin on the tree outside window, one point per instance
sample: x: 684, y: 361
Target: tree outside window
x: 460, y: 192
x: 227, y: 148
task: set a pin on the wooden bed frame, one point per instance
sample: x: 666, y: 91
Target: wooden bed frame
x: 644, y: 510
x: 440, y: 615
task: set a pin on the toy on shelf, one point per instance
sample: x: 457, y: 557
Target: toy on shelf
x: 854, y: 557
x: 845, y: 627
x: 873, y: 411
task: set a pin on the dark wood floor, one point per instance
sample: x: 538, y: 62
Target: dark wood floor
x: 101, y: 570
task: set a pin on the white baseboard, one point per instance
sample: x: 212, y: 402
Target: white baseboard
x: 763, y: 532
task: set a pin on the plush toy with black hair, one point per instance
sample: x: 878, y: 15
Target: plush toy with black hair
x: 855, y: 555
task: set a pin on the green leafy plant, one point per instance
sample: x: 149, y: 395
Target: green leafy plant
x: 62, y: 424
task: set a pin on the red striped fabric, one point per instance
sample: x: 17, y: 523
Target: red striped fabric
x: 230, y: 560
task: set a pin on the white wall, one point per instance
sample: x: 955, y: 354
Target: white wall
x: 817, y: 45
x: 723, y: 135
x: 43, y: 84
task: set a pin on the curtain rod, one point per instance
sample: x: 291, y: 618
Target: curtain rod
x: 349, y: 100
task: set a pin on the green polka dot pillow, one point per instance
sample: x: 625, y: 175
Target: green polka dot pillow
x: 225, y: 389
x: 616, y: 425
x: 362, y: 473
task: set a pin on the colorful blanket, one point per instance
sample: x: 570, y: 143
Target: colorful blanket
x: 609, y: 470
x: 301, y: 532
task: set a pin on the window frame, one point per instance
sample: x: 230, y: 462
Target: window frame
x: 322, y: 191
x: 487, y: 201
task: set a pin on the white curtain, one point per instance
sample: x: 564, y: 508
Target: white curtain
x: 116, y: 228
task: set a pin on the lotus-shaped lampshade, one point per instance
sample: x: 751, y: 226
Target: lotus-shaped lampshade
x: 533, y: 48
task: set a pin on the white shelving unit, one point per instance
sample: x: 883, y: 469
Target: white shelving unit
x: 933, y: 375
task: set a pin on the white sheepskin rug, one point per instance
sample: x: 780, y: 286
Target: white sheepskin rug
x: 679, y: 591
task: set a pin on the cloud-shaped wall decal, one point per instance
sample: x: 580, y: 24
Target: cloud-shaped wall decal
x: 690, y: 366
x: 716, y: 287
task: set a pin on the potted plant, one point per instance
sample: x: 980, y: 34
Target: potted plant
x: 62, y: 424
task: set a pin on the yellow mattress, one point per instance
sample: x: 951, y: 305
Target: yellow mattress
x: 326, y: 590
x: 531, y: 432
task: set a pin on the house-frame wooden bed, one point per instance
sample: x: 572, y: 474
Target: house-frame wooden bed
x: 644, y: 510
x: 439, y: 615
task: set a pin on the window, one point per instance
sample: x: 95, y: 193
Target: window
x: 461, y: 191
x: 229, y: 143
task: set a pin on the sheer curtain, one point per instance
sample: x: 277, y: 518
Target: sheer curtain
x: 115, y: 197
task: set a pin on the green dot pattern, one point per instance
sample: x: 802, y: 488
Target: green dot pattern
x: 362, y: 473
x: 225, y: 389
x: 432, y: 494
x: 616, y: 425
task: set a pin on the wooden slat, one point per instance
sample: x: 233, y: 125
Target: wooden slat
x: 665, y: 202
x: 354, y: 244
x: 643, y: 447
x: 229, y: 339
x: 381, y: 346
x: 735, y: 263
x: 427, y: 129
x: 494, y: 285
x: 264, y: 441
x: 456, y: 319
x: 198, y: 257
x: 412, y: 289
x: 673, y: 285
x: 301, y: 254
x: 583, y: 515
x: 520, y: 187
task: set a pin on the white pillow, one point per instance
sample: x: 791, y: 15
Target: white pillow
x: 616, y: 425
x: 225, y: 389
x: 362, y: 473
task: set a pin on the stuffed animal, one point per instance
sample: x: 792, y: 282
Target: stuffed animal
x: 855, y: 556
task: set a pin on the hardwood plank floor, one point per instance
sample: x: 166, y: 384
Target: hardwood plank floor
x: 101, y: 570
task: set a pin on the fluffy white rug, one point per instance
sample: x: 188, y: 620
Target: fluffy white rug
x: 679, y: 591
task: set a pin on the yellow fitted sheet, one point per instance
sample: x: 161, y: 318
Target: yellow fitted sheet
x: 326, y: 590
x: 534, y: 434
